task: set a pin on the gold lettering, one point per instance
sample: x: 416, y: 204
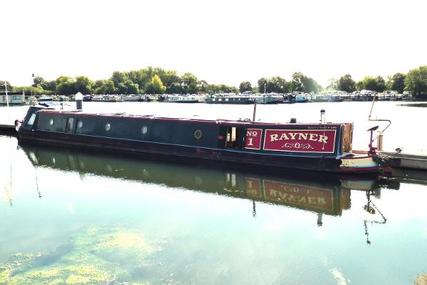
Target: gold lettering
x: 283, y: 137
x: 323, y: 139
x: 302, y: 136
x: 312, y: 200
x: 292, y: 199
x: 313, y: 137
x: 293, y: 135
x: 274, y: 137
x: 321, y: 201
x: 303, y: 200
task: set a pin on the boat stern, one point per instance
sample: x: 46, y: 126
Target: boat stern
x: 364, y: 164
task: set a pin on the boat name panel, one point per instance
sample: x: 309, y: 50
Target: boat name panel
x: 253, y: 139
x: 306, y: 141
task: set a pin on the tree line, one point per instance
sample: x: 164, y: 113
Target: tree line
x: 159, y: 81
x: 144, y: 81
x: 415, y: 81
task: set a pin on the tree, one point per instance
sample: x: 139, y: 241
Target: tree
x: 303, y: 83
x: 155, y: 86
x: 396, y: 82
x: 416, y: 81
x: 83, y: 85
x: 175, y: 88
x: 119, y: 77
x: 38, y: 81
x: 310, y: 85
x: 2, y: 86
x: 128, y: 87
x: 65, y: 85
x: 170, y: 78
x: 346, y: 83
x: 40, y: 86
x: 202, y: 86
x: 297, y: 82
x: 262, y: 85
x: 245, y: 86
x: 189, y: 83
x: 372, y: 83
x: 104, y: 87
x: 274, y: 84
x: 49, y: 86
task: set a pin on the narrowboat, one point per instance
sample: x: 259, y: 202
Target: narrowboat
x: 271, y: 98
x: 12, y: 98
x: 230, y: 99
x: 174, y: 98
x: 323, y: 147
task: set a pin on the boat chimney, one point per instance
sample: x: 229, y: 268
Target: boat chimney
x: 293, y: 120
x: 79, y: 101
x: 254, y: 112
x: 322, y: 116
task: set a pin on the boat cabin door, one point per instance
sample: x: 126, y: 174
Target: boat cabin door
x: 234, y: 137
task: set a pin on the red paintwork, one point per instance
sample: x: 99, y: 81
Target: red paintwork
x: 253, y: 139
x: 318, y: 141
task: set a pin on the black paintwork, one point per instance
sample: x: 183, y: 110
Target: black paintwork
x: 168, y: 138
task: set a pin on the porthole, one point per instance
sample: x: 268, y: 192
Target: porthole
x: 107, y: 127
x: 80, y: 124
x: 198, y: 134
x: 144, y: 130
x: 51, y: 122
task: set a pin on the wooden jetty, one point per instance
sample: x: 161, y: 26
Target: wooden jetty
x: 407, y: 161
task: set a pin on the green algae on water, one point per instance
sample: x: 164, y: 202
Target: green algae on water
x: 95, y: 256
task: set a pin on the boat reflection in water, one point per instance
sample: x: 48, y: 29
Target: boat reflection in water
x: 329, y: 195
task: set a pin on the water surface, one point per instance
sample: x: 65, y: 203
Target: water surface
x: 70, y: 217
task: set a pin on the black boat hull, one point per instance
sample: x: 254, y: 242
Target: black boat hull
x: 180, y: 153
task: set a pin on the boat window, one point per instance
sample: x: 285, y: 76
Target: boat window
x: 70, y: 125
x: 80, y: 124
x: 198, y: 134
x: 231, y: 137
x: 31, y: 119
x: 144, y: 130
x: 107, y: 127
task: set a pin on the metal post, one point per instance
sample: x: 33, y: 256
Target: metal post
x: 7, y: 96
x: 254, y: 113
x: 380, y: 137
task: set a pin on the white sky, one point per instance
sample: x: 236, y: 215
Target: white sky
x: 219, y: 41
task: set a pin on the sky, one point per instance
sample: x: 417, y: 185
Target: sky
x: 219, y: 41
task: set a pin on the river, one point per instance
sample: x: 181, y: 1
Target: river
x: 69, y: 217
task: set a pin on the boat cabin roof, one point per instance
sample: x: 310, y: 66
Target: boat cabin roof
x: 241, y: 122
